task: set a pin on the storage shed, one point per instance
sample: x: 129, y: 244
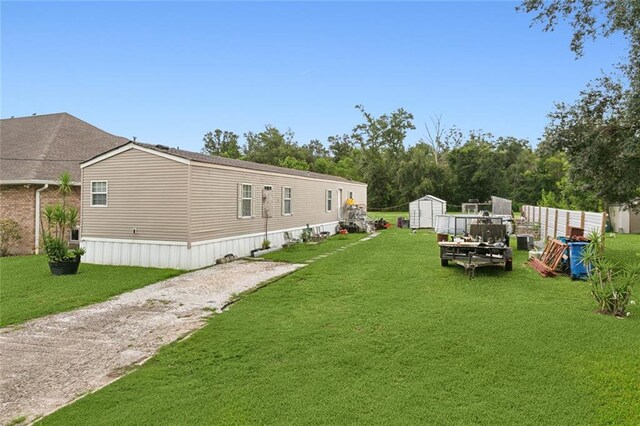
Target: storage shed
x: 624, y: 219
x: 151, y: 205
x: 423, y: 211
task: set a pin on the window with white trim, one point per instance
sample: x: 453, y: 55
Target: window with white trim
x: 329, y: 204
x: 286, y: 201
x: 99, y: 192
x: 247, y: 201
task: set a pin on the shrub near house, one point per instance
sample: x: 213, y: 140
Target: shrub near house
x: 10, y: 234
x: 60, y: 219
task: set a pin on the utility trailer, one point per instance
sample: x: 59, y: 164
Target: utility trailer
x: 472, y: 255
x: 477, y: 241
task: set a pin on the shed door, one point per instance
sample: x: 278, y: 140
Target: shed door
x: 425, y: 214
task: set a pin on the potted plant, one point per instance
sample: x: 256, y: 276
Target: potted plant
x: 60, y: 219
x: 266, y: 244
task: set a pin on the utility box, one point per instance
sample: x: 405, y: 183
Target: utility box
x: 525, y: 241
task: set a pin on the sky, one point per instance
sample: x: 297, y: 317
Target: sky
x: 168, y: 72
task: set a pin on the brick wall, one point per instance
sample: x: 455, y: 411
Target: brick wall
x: 17, y: 202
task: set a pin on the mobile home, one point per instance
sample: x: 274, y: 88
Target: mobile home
x: 151, y: 205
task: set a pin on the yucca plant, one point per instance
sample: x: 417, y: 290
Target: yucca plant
x: 612, y: 289
x: 60, y: 219
x: 611, y: 286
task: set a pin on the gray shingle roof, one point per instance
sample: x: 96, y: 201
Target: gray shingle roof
x: 223, y: 161
x: 39, y: 148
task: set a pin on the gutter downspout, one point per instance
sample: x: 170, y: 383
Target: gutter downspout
x: 37, y: 215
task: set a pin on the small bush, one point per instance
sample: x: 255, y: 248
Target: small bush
x: 10, y: 234
x: 610, y: 288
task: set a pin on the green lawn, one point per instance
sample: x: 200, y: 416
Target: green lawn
x: 28, y: 290
x: 380, y: 333
x: 299, y: 253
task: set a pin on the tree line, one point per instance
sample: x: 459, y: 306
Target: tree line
x: 445, y: 162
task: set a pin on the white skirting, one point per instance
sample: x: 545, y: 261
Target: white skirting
x: 175, y: 254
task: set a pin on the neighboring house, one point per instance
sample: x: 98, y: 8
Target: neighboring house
x: 151, y: 205
x: 34, y: 151
x: 625, y: 219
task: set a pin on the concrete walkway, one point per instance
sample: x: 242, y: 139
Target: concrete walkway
x: 48, y: 362
x: 322, y: 256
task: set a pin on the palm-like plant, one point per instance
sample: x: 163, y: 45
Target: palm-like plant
x: 60, y: 219
x: 611, y: 286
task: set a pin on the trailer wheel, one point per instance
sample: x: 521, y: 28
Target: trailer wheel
x: 444, y: 262
x: 508, y: 265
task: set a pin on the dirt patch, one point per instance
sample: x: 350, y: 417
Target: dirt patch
x: 51, y: 361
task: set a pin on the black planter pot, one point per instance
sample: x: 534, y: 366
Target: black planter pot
x: 65, y: 268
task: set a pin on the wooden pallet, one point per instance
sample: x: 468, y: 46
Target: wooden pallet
x: 550, y: 258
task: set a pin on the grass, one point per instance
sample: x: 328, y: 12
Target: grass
x: 380, y: 333
x: 28, y: 290
x: 299, y: 253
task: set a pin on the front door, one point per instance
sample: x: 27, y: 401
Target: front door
x: 340, y: 204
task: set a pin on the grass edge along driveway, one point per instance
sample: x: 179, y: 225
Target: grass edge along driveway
x: 380, y: 333
x: 28, y: 290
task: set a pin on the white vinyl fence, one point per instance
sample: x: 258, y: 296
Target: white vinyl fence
x: 556, y: 222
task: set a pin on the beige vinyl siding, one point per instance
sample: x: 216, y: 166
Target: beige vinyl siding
x: 214, y: 201
x: 145, y: 191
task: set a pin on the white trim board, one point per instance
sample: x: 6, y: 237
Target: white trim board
x: 34, y: 182
x: 128, y: 147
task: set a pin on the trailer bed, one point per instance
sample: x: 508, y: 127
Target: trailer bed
x: 472, y: 255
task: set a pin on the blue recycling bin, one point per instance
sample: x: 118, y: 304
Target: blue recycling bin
x: 578, y: 269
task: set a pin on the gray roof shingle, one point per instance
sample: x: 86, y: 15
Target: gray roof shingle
x: 40, y: 147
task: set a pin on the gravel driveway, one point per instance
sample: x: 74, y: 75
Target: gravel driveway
x: 48, y: 362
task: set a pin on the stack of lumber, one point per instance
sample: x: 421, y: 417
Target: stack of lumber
x: 550, y: 259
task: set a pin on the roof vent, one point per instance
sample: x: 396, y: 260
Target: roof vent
x: 163, y: 147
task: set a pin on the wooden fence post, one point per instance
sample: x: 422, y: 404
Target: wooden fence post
x: 540, y: 215
x: 582, y: 213
x: 546, y: 222
x: 566, y: 229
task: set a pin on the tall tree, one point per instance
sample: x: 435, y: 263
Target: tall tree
x: 588, y: 18
x: 600, y: 132
x: 341, y: 146
x: 222, y: 143
x: 271, y: 146
x: 601, y: 143
x: 381, y: 141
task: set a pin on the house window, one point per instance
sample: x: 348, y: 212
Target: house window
x: 351, y: 195
x: 329, y: 200
x: 247, y: 200
x: 286, y: 201
x: 99, y: 193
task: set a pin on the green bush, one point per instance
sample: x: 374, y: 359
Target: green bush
x: 10, y: 233
x: 610, y: 288
x: 60, y: 218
